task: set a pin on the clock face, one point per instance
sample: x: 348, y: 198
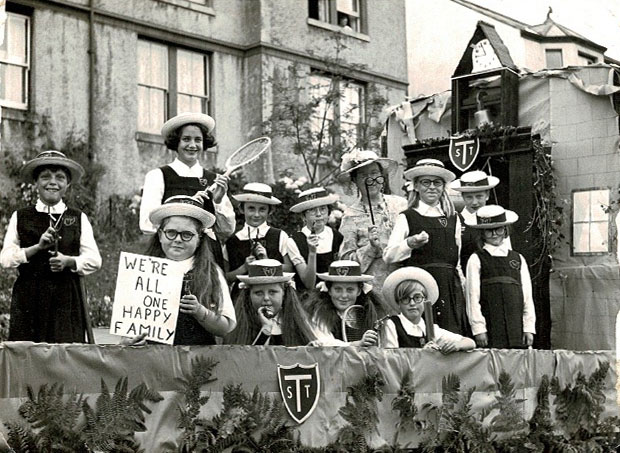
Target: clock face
x: 483, y: 57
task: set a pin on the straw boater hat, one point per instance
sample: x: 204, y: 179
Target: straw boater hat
x: 257, y: 192
x: 265, y: 271
x: 474, y: 181
x: 410, y: 273
x: 492, y: 216
x: 52, y: 158
x: 430, y: 167
x: 312, y: 198
x: 360, y: 158
x: 345, y: 271
x: 182, y: 205
x: 187, y: 118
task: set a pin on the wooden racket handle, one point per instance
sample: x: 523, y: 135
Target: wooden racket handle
x: 430, y: 322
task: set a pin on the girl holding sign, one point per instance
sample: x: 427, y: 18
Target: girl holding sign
x: 206, y: 309
x: 268, y: 309
x: 410, y: 288
x: 51, y: 245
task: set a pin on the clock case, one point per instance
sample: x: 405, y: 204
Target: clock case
x: 496, y: 88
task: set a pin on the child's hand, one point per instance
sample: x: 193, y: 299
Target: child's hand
x: 370, y: 338
x: 373, y: 236
x: 313, y: 243
x: 528, y: 339
x: 417, y: 241
x: 482, y: 340
x: 190, y: 305
x: 259, y: 251
x: 140, y: 340
x: 47, y: 239
x: 266, y: 317
x: 248, y: 260
x: 60, y: 262
x: 446, y: 346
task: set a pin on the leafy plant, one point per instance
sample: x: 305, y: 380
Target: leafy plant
x: 509, y: 419
x: 404, y: 404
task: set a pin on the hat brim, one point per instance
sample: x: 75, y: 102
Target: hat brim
x: 511, y: 217
x: 181, y: 209
x: 410, y: 273
x: 264, y: 279
x: 456, y: 185
x: 75, y: 169
x: 388, y: 165
x: 430, y: 170
x: 187, y: 118
x: 345, y: 278
x: 255, y: 198
x: 309, y: 204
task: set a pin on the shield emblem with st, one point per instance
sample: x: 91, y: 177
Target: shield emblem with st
x: 203, y: 182
x: 300, y: 386
x: 463, y: 151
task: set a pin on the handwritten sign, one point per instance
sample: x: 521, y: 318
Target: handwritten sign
x: 146, y: 300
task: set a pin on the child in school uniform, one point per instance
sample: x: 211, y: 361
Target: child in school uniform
x: 500, y: 305
x: 409, y: 288
x: 316, y: 246
x: 52, y: 245
x: 341, y: 287
x: 256, y: 239
x: 268, y: 309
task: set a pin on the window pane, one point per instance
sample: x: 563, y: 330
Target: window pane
x: 351, y: 103
x: 581, y: 238
x: 152, y: 64
x: 581, y: 206
x: 191, y: 72
x: 600, y: 201
x: 554, y: 58
x: 12, y: 83
x: 349, y: 135
x: 151, y: 109
x: 599, y: 235
x: 17, y: 33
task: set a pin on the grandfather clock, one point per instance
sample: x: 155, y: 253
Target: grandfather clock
x: 485, y: 84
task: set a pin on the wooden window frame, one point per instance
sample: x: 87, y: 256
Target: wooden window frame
x: 589, y: 222
x: 27, y: 66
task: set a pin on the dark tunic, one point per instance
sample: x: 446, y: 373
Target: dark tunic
x: 239, y: 250
x: 501, y: 298
x: 47, y: 306
x: 181, y: 185
x: 274, y: 340
x: 469, y: 244
x: 188, y: 330
x: 440, y: 257
x: 323, y: 260
x: 404, y: 339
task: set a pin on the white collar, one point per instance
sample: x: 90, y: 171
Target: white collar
x: 424, y: 208
x: 187, y: 264
x: 326, y: 233
x: 58, y: 208
x: 261, y: 229
x: 471, y: 216
x: 181, y: 167
x: 414, y: 330
x: 499, y: 250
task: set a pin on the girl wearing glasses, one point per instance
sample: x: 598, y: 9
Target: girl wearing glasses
x: 206, y: 310
x: 408, y: 288
x: 313, y: 249
x: 364, y: 241
x: 500, y: 305
x: 428, y: 235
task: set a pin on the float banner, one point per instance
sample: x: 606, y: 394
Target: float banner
x: 146, y: 300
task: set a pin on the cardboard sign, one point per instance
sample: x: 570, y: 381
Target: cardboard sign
x: 146, y: 300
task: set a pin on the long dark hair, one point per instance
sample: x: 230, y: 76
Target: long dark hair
x: 294, y: 321
x: 173, y: 139
x: 205, y: 284
x: 322, y: 310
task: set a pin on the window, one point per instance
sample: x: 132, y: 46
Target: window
x: 554, y: 58
x: 170, y: 81
x: 15, y: 62
x: 343, y: 13
x: 339, y: 112
x: 590, y: 221
x: 585, y: 59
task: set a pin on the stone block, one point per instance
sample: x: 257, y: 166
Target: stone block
x: 605, y: 145
x: 582, y: 181
x: 592, y: 164
x: 577, y: 113
x: 566, y: 167
x: 563, y: 133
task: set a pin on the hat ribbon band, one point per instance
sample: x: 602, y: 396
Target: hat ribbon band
x: 257, y: 192
x: 482, y: 182
x: 494, y: 219
x: 429, y: 164
x: 314, y: 196
x: 188, y: 200
x: 345, y: 271
x: 264, y: 271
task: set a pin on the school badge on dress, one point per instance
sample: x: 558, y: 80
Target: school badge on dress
x: 463, y: 151
x: 300, y: 386
x: 443, y: 221
x: 69, y: 220
x: 203, y: 182
x: 515, y: 264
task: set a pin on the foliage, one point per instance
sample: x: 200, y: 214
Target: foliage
x: 404, y: 404
x: 59, y: 422
x: 508, y: 419
x: 306, y: 114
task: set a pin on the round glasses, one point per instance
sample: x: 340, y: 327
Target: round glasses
x: 499, y: 231
x: 417, y: 298
x: 171, y: 235
x: 435, y: 182
x: 370, y: 181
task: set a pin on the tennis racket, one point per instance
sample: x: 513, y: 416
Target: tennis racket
x: 353, y: 323
x: 245, y: 155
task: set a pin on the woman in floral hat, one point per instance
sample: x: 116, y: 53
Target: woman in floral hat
x: 364, y: 242
x: 51, y: 245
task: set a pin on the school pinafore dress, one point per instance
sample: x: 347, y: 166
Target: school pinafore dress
x: 47, y: 306
x: 501, y: 299
x: 439, y: 257
x: 404, y: 339
x: 323, y: 260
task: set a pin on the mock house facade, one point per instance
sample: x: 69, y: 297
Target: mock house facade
x: 110, y: 72
x: 569, y: 113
